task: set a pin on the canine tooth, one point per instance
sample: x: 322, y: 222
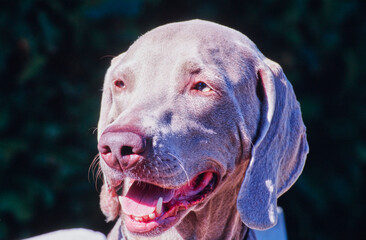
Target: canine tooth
x: 152, y: 215
x: 159, y: 205
x: 120, y: 199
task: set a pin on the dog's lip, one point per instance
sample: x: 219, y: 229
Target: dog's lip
x: 184, y: 197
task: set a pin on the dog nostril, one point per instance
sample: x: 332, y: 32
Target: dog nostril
x: 126, y: 151
x: 105, y: 150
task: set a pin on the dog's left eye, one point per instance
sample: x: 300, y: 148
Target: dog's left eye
x: 119, y: 84
x: 201, y: 86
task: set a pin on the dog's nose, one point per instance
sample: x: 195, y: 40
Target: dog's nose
x: 120, y: 149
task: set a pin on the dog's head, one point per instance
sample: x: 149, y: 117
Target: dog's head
x: 182, y: 108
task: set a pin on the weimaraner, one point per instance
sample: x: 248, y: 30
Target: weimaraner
x: 199, y: 134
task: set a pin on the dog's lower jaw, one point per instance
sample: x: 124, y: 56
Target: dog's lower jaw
x: 223, y: 222
x: 169, y: 234
x: 195, y: 225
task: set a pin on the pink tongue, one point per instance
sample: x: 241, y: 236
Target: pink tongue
x: 141, y: 198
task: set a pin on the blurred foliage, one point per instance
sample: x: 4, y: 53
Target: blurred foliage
x: 53, y: 55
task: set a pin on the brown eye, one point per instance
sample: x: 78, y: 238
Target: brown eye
x: 201, y: 86
x: 119, y: 84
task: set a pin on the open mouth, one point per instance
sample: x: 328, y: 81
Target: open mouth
x: 147, y: 207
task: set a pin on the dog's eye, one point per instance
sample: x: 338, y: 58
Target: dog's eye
x: 119, y: 84
x: 201, y: 86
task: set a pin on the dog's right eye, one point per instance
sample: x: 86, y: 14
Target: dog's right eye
x: 119, y: 84
x: 202, y: 87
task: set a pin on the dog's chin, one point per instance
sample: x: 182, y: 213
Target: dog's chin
x: 151, y: 228
x: 150, y: 210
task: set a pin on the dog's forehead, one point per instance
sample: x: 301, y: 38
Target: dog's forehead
x: 186, y: 39
x: 186, y: 46
x: 204, y: 31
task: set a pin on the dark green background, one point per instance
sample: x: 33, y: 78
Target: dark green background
x: 53, y: 55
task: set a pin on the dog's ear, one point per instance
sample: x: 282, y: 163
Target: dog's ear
x: 107, y: 97
x: 279, y: 149
x: 108, y: 200
x: 109, y: 203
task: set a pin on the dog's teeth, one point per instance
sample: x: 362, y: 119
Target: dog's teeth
x: 120, y: 200
x: 152, y: 215
x: 138, y: 218
x: 159, y: 205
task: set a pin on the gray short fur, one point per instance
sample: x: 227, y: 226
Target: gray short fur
x: 250, y: 130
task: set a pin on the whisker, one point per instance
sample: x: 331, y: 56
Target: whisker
x: 98, y: 176
x: 181, y: 165
x: 107, y: 56
x: 92, y: 166
x: 167, y: 165
x: 96, y: 171
x: 157, y: 171
x: 94, y: 130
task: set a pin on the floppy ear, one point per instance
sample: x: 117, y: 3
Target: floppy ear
x: 109, y: 203
x: 279, y: 150
x: 108, y: 199
x: 107, y: 99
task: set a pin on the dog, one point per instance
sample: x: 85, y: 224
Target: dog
x: 199, y: 134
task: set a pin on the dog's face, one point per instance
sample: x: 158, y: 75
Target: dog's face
x: 180, y: 111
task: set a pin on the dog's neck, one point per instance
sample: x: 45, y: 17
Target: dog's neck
x: 216, y: 219
x: 219, y: 224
